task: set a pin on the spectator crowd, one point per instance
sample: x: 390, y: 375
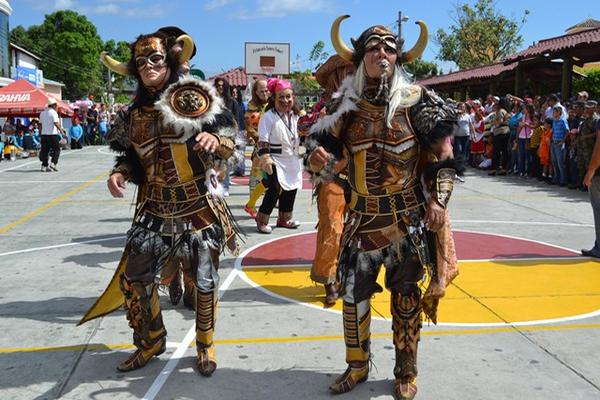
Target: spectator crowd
x: 537, y: 137
x: 21, y: 136
x: 533, y: 136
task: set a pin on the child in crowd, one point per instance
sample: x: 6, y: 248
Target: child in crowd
x: 76, y: 133
x: 544, y: 151
x: 534, y: 144
x: 477, y: 139
x: 488, y: 139
x: 560, y: 129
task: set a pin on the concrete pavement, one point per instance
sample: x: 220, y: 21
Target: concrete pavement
x: 61, y: 236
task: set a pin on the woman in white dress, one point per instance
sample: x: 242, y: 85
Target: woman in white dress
x: 278, y: 149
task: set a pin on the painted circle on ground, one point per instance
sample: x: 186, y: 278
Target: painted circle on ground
x: 503, y: 280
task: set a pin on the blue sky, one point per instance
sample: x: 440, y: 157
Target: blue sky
x: 220, y: 27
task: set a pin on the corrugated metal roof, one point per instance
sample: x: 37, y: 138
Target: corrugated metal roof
x: 237, y: 77
x: 558, y: 44
x: 486, y: 71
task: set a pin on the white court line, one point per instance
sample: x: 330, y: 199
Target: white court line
x: 315, y: 222
x: 182, y: 347
x: 56, y: 246
x: 245, y: 278
x: 62, y: 153
x: 108, y: 153
x: 476, y: 221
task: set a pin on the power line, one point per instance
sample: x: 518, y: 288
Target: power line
x: 51, y: 59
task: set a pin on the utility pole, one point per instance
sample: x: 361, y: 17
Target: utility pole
x: 401, y: 19
x: 400, y: 25
x: 109, y: 81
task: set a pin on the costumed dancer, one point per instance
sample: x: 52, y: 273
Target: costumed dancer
x: 331, y: 195
x: 169, y: 139
x: 278, y: 145
x: 395, y: 134
x: 256, y: 108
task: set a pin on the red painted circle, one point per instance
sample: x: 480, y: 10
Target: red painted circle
x: 300, y: 249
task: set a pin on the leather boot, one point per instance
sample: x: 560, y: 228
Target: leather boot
x: 143, y: 312
x: 406, y: 324
x: 262, y: 223
x: 285, y: 221
x: 206, y: 305
x: 331, y: 293
x: 357, y: 322
x: 189, y: 289
x: 175, y: 290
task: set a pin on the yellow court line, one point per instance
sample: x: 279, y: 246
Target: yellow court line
x: 50, y: 204
x: 300, y: 339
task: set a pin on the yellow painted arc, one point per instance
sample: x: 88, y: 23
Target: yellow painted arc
x: 484, y: 292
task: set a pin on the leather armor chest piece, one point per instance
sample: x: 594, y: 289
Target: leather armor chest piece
x: 145, y: 132
x: 382, y: 159
x: 154, y: 143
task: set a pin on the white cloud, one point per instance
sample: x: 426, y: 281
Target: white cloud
x: 64, y: 4
x: 123, y: 8
x: 214, y: 4
x: 282, y: 8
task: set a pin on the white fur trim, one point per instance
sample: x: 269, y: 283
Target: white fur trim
x: 186, y: 126
x: 348, y: 103
x: 359, y: 147
x: 402, y: 147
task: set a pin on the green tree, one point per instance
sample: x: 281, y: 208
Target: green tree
x: 20, y: 37
x: 304, y: 82
x: 480, y: 35
x: 422, y: 69
x: 69, y: 46
x: 590, y: 83
x: 317, y: 54
x: 119, y: 51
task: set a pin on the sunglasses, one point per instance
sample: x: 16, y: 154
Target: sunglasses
x: 155, y: 59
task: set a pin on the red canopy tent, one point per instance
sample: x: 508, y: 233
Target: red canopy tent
x: 22, y: 99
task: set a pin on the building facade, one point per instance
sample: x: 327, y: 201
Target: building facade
x: 5, y: 12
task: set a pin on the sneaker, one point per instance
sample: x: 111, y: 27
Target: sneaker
x: 226, y: 193
x: 261, y: 228
x: 593, y: 252
x: 287, y: 224
x: 45, y: 169
x: 53, y: 167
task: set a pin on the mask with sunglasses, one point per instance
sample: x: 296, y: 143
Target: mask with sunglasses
x: 375, y: 42
x: 156, y: 59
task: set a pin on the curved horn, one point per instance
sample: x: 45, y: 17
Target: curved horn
x: 188, y: 48
x: 419, y: 47
x: 338, y: 44
x: 114, y: 65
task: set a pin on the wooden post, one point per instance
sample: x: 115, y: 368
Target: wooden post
x: 518, y: 81
x: 567, y: 77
